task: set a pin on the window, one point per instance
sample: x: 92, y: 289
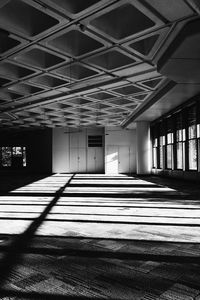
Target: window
x: 6, y: 156
x: 95, y: 141
x: 14, y: 157
x: 176, y: 139
x: 180, y: 138
x: 161, y: 150
x: 155, y: 152
x: 170, y: 140
x: 192, y: 139
x: 155, y: 147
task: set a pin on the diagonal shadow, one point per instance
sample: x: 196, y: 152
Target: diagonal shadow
x: 22, y: 241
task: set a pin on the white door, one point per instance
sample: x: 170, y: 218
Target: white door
x: 99, y: 160
x: 95, y: 160
x: 73, y: 160
x: 81, y: 160
x: 77, y: 160
x: 91, y: 160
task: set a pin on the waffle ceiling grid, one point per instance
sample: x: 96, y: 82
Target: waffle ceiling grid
x: 81, y: 63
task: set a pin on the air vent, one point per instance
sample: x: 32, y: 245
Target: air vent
x: 95, y: 141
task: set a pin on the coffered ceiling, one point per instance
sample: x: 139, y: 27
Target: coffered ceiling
x: 72, y: 63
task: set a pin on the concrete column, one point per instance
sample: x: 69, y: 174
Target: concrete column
x: 143, y: 148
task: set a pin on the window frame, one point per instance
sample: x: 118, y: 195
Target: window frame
x: 23, y: 155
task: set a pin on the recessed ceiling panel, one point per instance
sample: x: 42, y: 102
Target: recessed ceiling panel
x: 4, y: 81
x: 2, y: 102
x: 152, y: 83
x: 39, y: 58
x: 171, y: 9
x: 76, y: 8
x: 25, y: 89
x: 112, y: 59
x: 14, y: 71
x: 25, y: 19
x: 98, y: 106
x: 48, y: 81
x: 121, y: 101
x: 123, y: 20
x: 147, y: 45
x: 128, y: 90
x: 9, y: 96
x: 133, y: 106
x: 141, y: 97
x: 74, y: 42
x: 8, y: 42
x: 76, y: 71
x: 115, y: 110
x: 78, y: 101
x: 101, y: 96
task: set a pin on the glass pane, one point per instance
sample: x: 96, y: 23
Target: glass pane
x: 198, y: 130
x: 179, y: 155
x: 155, y: 157
x: 17, y: 151
x: 161, y: 157
x: 169, y: 138
x: 192, y: 131
x: 192, y: 155
x: 179, y: 136
x: 24, y: 156
x: 6, y: 156
x: 155, y: 142
x: 184, y: 135
x: 163, y: 138
x: 169, y: 156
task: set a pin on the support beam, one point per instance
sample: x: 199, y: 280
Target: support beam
x: 143, y: 146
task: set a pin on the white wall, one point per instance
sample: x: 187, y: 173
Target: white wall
x: 119, y: 144
x: 60, y: 151
x: 67, y: 146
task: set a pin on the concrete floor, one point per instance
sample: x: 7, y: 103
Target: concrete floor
x: 81, y: 236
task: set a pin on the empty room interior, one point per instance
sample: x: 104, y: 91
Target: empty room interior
x: 100, y: 149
